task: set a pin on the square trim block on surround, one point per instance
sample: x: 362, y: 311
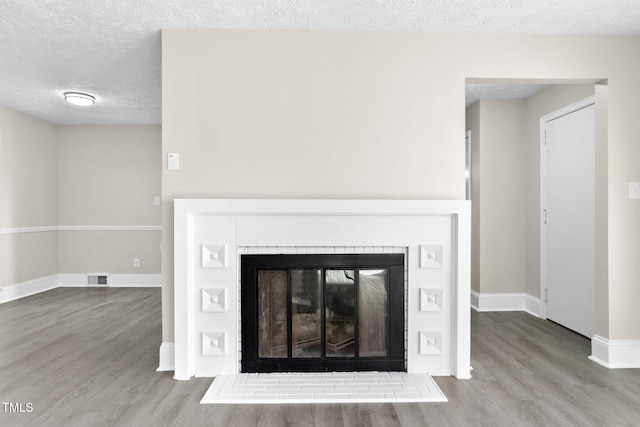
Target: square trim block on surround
x: 214, y: 343
x: 431, y: 256
x: 430, y: 342
x: 431, y: 299
x: 214, y: 255
x: 214, y: 300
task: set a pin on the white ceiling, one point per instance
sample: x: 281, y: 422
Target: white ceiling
x: 112, y: 48
x: 476, y: 91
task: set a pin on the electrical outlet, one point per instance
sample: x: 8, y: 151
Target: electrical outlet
x: 136, y: 263
x: 156, y: 200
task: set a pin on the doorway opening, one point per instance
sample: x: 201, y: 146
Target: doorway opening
x: 506, y: 187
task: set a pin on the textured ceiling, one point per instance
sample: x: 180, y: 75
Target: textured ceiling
x: 476, y: 91
x: 111, y: 48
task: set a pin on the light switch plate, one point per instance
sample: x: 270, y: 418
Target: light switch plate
x: 173, y: 161
x: 634, y: 190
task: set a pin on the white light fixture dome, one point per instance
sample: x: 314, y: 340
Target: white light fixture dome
x: 79, y: 98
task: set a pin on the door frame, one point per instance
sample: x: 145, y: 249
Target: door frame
x: 571, y: 108
x: 468, y: 171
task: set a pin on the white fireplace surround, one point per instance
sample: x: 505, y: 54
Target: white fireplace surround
x: 211, y: 234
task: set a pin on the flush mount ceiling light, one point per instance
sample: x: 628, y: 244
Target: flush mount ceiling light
x: 79, y: 98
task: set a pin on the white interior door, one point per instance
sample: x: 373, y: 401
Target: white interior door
x: 568, y: 224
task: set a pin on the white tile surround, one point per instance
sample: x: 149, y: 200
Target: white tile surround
x: 331, y: 387
x: 210, y: 235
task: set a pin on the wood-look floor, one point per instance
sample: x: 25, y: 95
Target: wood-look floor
x: 87, y: 357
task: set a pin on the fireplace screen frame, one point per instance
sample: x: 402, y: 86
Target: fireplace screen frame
x: 250, y: 266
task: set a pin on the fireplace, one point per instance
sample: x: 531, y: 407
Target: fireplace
x: 213, y: 237
x: 322, y: 312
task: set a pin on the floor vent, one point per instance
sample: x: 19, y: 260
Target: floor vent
x: 98, y: 280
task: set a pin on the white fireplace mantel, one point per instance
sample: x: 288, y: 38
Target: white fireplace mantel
x: 211, y: 234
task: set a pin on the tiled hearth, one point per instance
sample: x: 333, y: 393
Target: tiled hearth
x: 210, y: 236
x: 331, y: 387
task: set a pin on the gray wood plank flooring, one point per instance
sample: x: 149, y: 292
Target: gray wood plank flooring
x: 87, y: 357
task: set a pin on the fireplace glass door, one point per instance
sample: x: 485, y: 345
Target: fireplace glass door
x: 322, y: 312
x: 306, y: 306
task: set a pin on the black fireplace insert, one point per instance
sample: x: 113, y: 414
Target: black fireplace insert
x: 322, y: 312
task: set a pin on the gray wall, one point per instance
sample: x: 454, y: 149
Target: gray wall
x: 28, y: 197
x: 83, y: 178
x: 109, y: 176
x: 499, y: 180
x: 378, y: 115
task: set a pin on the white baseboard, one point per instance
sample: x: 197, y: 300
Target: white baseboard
x: 135, y: 280
x: 533, y: 305
x: 475, y: 300
x: 506, y: 302
x: 167, y: 357
x: 43, y: 284
x: 30, y: 287
x: 115, y: 280
x: 72, y: 280
x: 501, y: 302
x: 615, y: 354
